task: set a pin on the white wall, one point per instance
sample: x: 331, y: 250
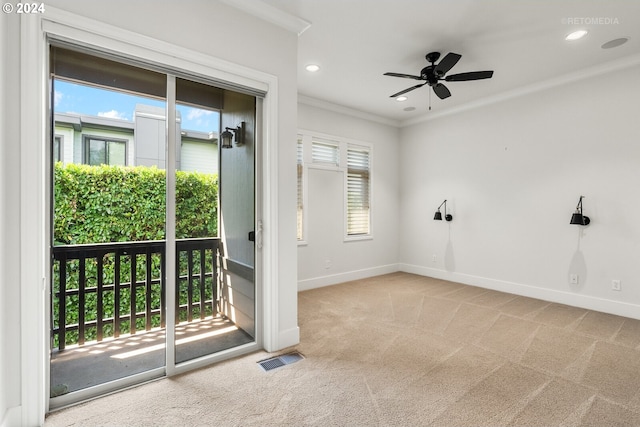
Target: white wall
x: 222, y: 32
x: 512, y: 173
x: 325, y: 205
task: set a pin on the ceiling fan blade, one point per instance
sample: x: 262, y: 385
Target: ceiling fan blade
x: 473, y: 75
x: 402, y: 92
x: 406, y: 76
x: 442, y: 91
x: 447, y: 63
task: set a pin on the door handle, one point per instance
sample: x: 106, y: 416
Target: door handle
x: 256, y: 234
x: 259, y: 242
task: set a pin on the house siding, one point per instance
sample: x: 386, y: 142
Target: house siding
x: 199, y: 156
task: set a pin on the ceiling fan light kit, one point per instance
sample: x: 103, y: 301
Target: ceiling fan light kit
x: 433, y: 74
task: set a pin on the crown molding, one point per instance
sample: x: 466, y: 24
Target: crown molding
x: 336, y: 108
x: 270, y: 14
x: 597, y: 70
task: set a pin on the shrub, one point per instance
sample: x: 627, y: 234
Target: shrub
x: 97, y: 204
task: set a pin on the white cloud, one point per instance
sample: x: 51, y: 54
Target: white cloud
x: 195, y: 113
x: 113, y: 114
x: 57, y: 97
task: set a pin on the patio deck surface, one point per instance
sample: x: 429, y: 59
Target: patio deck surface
x: 79, y: 367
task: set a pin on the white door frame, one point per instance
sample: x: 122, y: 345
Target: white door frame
x: 34, y: 128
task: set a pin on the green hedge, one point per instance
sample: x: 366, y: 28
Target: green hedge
x: 97, y: 204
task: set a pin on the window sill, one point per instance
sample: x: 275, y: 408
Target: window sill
x: 358, y: 238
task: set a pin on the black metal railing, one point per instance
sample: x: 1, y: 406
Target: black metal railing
x: 108, y: 289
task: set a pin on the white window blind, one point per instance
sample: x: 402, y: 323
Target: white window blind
x: 358, y: 192
x: 300, y: 187
x: 325, y: 152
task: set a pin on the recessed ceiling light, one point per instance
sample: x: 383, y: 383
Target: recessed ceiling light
x: 401, y: 98
x: 576, y: 35
x: 312, y: 68
x: 615, y: 43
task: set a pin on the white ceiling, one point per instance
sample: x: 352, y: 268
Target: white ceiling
x: 356, y: 41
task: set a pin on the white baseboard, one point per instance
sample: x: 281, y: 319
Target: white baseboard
x: 333, y: 279
x: 584, y: 301
x: 288, y: 338
x: 12, y: 417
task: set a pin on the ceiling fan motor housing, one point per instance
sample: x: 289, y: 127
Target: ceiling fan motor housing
x: 429, y: 75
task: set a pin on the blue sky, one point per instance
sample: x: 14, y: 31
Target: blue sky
x: 80, y: 99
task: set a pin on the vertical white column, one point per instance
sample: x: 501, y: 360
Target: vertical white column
x: 170, y: 227
x: 33, y: 249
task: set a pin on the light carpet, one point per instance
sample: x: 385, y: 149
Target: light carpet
x: 406, y: 350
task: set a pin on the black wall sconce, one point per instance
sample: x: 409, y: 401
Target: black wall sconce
x: 229, y: 133
x: 577, y: 218
x: 438, y: 215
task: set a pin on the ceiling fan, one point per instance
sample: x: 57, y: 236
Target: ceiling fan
x: 433, y: 74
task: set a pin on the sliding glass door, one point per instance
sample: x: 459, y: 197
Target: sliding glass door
x: 146, y: 273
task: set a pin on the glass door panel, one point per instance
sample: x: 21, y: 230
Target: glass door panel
x: 203, y: 327
x: 237, y: 213
x: 108, y: 190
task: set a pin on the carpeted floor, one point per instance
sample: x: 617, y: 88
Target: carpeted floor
x: 405, y: 350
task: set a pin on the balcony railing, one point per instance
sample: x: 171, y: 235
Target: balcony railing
x: 108, y: 289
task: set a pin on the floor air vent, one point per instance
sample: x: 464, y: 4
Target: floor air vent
x: 279, y: 361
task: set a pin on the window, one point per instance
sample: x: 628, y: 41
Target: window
x: 57, y: 149
x: 358, y: 191
x: 98, y: 151
x: 300, y: 164
x: 325, y: 152
x: 349, y: 158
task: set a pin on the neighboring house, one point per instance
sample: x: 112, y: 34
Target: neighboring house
x: 98, y: 140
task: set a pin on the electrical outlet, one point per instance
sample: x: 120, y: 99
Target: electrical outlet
x: 434, y: 258
x: 616, y: 285
x: 573, y: 279
x: 327, y: 264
